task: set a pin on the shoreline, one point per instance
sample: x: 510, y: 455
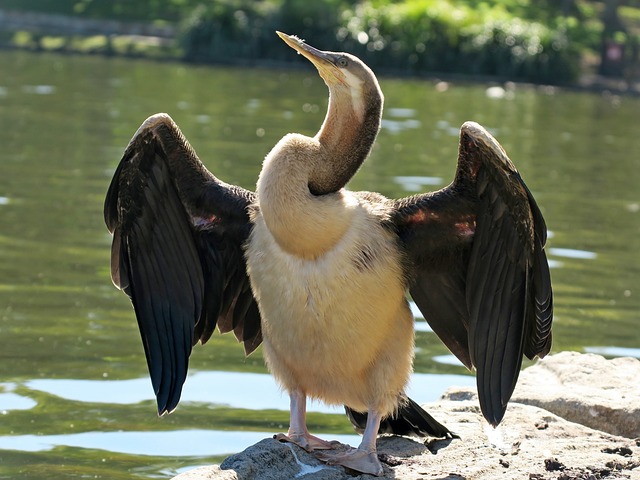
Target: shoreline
x: 52, y: 33
x: 589, y: 83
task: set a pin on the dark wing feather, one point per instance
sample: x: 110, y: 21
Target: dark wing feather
x: 477, y: 267
x: 410, y: 419
x: 178, y: 234
x: 440, y: 297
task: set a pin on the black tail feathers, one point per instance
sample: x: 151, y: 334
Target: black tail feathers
x: 410, y: 420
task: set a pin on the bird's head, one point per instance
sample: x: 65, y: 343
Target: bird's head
x: 353, y: 116
x: 342, y: 72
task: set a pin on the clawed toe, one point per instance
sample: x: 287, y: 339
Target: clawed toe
x: 363, y: 459
x: 307, y: 442
x: 355, y: 459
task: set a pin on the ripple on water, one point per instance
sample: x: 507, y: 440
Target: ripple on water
x: 13, y: 401
x: 417, y: 183
x: 397, y: 126
x: 572, y: 253
x: 614, y: 351
x: 555, y: 263
x: 39, y: 89
x: 448, y: 360
x: 174, y: 443
x: 401, y: 112
x: 237, y: 391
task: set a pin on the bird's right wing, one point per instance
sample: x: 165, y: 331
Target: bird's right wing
x: 177, y: 252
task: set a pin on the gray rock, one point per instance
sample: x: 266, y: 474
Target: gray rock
x: 586, y: 389
x: 531, y: 443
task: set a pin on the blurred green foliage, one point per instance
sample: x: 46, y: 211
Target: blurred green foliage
x: 416, y: 36
x: 126, y: 10
x: 533, y: 40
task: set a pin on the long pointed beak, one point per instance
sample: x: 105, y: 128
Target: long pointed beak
x: 323, y: 61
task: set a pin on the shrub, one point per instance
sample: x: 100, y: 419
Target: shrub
x: 412, y: 36
x: 225, y: 31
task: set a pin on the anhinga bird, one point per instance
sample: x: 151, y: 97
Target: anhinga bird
x: 319, y: 274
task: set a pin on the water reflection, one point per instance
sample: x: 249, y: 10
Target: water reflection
x: 448, y: 360
x: 216, y: 388
x: 174, y: 443
x: 401, y: 112
x: 417, y: 183
x: 12, y: 401
x: 572, y: 253
x: 614, y: 351
x: 397, y: 126
x: 39, y: 89
x: 452, y: 130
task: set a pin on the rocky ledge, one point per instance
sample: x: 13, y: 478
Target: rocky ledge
x: 572, y: 416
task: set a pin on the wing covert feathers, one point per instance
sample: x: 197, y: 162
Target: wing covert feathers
x: 477, y: 267
x: 177, y: 252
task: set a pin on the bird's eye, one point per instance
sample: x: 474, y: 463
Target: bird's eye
x: 342, y: 62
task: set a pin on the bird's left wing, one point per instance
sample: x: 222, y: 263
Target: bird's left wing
x: 177, y: 252
x: 477, y: 267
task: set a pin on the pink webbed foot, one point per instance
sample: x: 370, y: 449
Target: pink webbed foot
x: 355, y: 459
x: 306, y: 441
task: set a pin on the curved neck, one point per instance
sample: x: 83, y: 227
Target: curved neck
x: 300, y: 187
x: 346, y: 136
x: 301, y: 223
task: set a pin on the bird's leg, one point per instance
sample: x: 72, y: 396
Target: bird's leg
x: 364, y: 458
x: 298, y: 432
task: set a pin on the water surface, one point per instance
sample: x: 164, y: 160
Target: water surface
x: 75, y: 400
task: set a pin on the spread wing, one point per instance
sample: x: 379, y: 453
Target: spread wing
x: 177, y: 252
x: 478, y: 270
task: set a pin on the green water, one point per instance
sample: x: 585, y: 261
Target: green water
x: 74, y: 398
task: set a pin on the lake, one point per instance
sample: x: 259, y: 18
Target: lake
x: 75, y: 399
